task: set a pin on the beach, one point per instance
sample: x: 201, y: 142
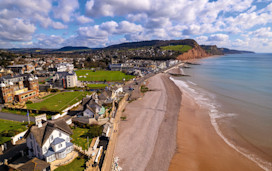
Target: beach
x: 147, y: 139
x: 199, y: 147
x: 167, y: 130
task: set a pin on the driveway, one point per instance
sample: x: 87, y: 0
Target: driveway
x: 15, y: 117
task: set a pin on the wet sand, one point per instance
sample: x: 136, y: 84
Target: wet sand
x: 198, y: 145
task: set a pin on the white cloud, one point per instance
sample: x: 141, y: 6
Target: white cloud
x: 264, y: 32
x: 65, y: 9
x: 16, y: 29
x: 83, y: 19
x: 218, y: 38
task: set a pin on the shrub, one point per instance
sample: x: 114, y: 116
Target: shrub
x: 29, y: 102
x: 123, y: 118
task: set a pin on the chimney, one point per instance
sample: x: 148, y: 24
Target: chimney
x: 39, y: 118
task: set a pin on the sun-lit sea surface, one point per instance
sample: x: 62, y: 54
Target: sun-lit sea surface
x: 237, y: 89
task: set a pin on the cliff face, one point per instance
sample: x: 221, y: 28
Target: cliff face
x: 196, y: 52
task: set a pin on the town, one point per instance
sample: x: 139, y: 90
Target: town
x: 60, y: 112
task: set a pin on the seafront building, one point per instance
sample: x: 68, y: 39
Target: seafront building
x: 49, y: 140
x: 18, y: 88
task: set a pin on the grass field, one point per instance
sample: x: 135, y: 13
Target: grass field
x: 97, y: 86
x: 79, y: 139
x: 6, y: 125
x: 89, y: 75
x: 77, y: 164
x: 177, y: 48
x: 58, y: 102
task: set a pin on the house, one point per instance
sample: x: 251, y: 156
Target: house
x: 18, y: 88
x: 106, y: 96
x: 91, y: 107
x: 49, y: 140
x: 35, y: 164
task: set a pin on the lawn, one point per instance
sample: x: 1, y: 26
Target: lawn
x: 177, y: 48
x: 97, y: 86
x: 77, y: 164
x: 89, y: 75
x: 9, y: 129
x: 58, y: 102
x: 79, y: 137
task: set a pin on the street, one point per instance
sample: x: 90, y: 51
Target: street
x: 15, y: 117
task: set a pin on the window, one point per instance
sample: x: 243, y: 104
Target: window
x: 52, y: 137
x: 60, y: 134
x: 60, y: 145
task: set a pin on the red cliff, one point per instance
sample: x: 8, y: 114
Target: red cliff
x: 196, y: 52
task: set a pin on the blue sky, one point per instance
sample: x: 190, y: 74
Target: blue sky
x: 237, y: 24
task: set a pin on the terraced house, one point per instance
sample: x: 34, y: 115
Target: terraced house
x: 18, y: 88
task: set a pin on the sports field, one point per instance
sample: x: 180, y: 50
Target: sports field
x: 178, y: 48
x: 59, y: 101
x: 89, y: 75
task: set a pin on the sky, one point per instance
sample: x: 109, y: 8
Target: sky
x: 236, y: 24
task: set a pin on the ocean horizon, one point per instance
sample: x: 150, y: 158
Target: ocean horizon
x: 237, y: 90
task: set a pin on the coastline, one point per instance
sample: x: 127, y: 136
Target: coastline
x: 199, y: 147
x: 148, y: 141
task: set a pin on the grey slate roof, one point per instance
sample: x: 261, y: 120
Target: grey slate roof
x: 57, y: 141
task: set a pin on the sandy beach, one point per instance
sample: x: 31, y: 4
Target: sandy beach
x: 147, y: 140
x: 167, y: 130
x: 198, y: 145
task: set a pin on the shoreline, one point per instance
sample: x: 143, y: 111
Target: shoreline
x: 199, y: 146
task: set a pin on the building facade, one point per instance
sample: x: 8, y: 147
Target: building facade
x: 21, y: 69
x: 49, y: 140
x: 65, y: 79
x: 19, y: 88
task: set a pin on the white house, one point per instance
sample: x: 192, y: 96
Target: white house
x: 49, y: 140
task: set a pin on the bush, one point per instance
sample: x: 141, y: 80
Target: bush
x: 29, y: 102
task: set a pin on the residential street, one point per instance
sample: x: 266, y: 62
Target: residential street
x: 15, y: 117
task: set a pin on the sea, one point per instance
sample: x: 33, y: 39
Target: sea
x: 237, y: 90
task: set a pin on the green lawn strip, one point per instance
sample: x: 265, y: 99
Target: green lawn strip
x: 9, y: 129
x: 177, y: 48
x: 58, y: 102
x: 18, y: 112
x: 102, y: 75
x: 79, y: 137
x: 77, y: 164
x: 50, y: 95
x: 97, y: 86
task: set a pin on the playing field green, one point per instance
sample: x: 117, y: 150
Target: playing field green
x: 89, y: 75
x: 177, y: 48
x: 59, y: 101
x: 97, y: 86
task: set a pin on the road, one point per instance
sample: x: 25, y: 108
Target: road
x: 111, y: 146
x: 15, y: 117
